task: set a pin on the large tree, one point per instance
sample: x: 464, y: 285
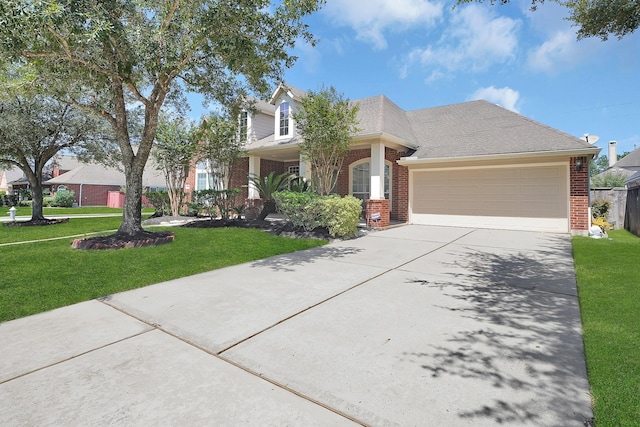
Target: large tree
x: 595, y: 18
x: 327, y: 122
x: 173, y: 153
x: 33, y: 129
x: 106, y: 55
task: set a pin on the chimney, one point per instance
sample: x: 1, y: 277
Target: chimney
x: 613, y: 156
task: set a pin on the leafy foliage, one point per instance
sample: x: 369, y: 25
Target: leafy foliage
x: 221, y: 145
x: 108, y: 56
x: 267, y: 187
x: 216, y: 202
x: 600, y: 208
x: 160, y: 202
x: 609, y: 179
x: 34, y: 128
x: 340, y: 215
x: 174, y: 150
x: 64, y: 199
x: 326, y: 121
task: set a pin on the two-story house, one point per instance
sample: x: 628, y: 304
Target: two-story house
x: 470, y: 164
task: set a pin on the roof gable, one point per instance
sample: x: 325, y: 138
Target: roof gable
x: 631, y: 160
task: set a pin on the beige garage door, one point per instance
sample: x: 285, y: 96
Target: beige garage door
x: 522, y: 198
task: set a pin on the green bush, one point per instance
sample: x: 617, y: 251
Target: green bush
x: 47, y: 201
x: 302, y: 209
x: 216, y: 202
x: 609, y: 179
x: 600, y: 208
x: 64, y: 198
x: 160, y: 202
x: 340, y: 215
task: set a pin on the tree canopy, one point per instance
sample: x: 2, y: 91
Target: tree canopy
x: 33, y: 129
x: 326, y: 121
x: 108, y: 56
x: 595, y: 18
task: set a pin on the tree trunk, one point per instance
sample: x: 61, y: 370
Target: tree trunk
x: 34, y: 177
x: 132, y: 215
x: 36, y: 201
x: 269, y: 207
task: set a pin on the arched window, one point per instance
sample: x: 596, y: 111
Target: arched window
x: 360, y: 179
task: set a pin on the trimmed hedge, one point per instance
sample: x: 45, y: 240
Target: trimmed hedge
x: 340, y: 215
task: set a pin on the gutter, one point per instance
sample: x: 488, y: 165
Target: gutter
x: 409, y: 161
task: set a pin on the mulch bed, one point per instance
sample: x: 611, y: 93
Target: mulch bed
x: 278, y: 228
x: 37, y: 222
x: 121, y: 241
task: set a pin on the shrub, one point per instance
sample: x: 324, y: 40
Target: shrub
x: 64, y: 198
x: 340, y: 215
x: 47, y: 201
x: 600, y: 208
x: 609, y: 179
x: 602, y: 223
x: 160, y: 202
x: 302, y: 209
x: 217, y: 201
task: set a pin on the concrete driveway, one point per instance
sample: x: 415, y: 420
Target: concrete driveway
x: 413, y: 326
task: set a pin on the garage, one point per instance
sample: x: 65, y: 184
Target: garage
x: 523, y: 197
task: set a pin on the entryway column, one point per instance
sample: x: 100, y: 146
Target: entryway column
x: 254, y: 169
x: 305, y: 168
x: 376, y: 167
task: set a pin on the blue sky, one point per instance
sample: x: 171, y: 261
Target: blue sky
x: 423, y: 53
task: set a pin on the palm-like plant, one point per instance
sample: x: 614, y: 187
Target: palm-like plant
x: 268, y: 185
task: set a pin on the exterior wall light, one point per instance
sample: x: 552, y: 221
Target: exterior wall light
x: 579, y: 163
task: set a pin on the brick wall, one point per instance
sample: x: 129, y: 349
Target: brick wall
x: 380, y: 206
x: 92, y: 195
x: 579, y: 196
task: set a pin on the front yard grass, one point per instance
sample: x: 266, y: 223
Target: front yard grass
x: 74, y: 227
x: 608, y: 275
x: 37, y: 277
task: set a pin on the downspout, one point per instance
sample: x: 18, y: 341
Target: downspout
x: 80, y: 197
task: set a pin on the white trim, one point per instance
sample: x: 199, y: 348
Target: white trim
x: 409, y: 161
x: 368, y: 160
x: 509, y: 166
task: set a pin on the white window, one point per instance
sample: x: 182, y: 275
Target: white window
x: 284, y: 119
x: 244, y: 127
x: 293, y: 170
x: 360, y: 180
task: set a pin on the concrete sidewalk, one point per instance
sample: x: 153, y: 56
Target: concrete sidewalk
x: 411, y: 326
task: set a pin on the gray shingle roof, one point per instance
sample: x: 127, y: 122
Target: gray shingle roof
x: 469, y: 129
x: 480, y: 128
x: 631, y: 160
x: 101, y: 175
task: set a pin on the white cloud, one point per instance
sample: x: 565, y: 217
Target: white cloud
x: 371, y: 18
x: 504, y: 96
x: 475, y: 39
x: 559, y: 51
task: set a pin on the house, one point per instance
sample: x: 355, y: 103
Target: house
x: 471, y: 164
x: 93, y: 182
x: 8, y: 177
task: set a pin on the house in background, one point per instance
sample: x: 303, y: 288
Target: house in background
x: 92, y: 183
x: 10, y: 176
x: 473, y: 164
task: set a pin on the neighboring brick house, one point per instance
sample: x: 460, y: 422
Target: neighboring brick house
x: 472, y: 164
x: 93, y: 182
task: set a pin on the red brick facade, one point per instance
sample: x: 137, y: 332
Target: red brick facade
x: 92, y: 195
x: 380, y: 206
x: 579, y: 196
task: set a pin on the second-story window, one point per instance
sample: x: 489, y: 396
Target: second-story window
x: 284, y: 119
x: 243, y: 125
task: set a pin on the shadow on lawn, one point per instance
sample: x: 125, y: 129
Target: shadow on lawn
x: 527, y: 338
x: 289, y: 262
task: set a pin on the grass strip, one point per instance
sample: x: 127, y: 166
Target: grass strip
x: 608, y: 275
x: 41, y: 276
x: 73, y: 227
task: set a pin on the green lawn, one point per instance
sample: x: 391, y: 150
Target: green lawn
x: 74, y: 227
x: 37, y: 277
x: 26, y: 210
x: 608, y: 274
